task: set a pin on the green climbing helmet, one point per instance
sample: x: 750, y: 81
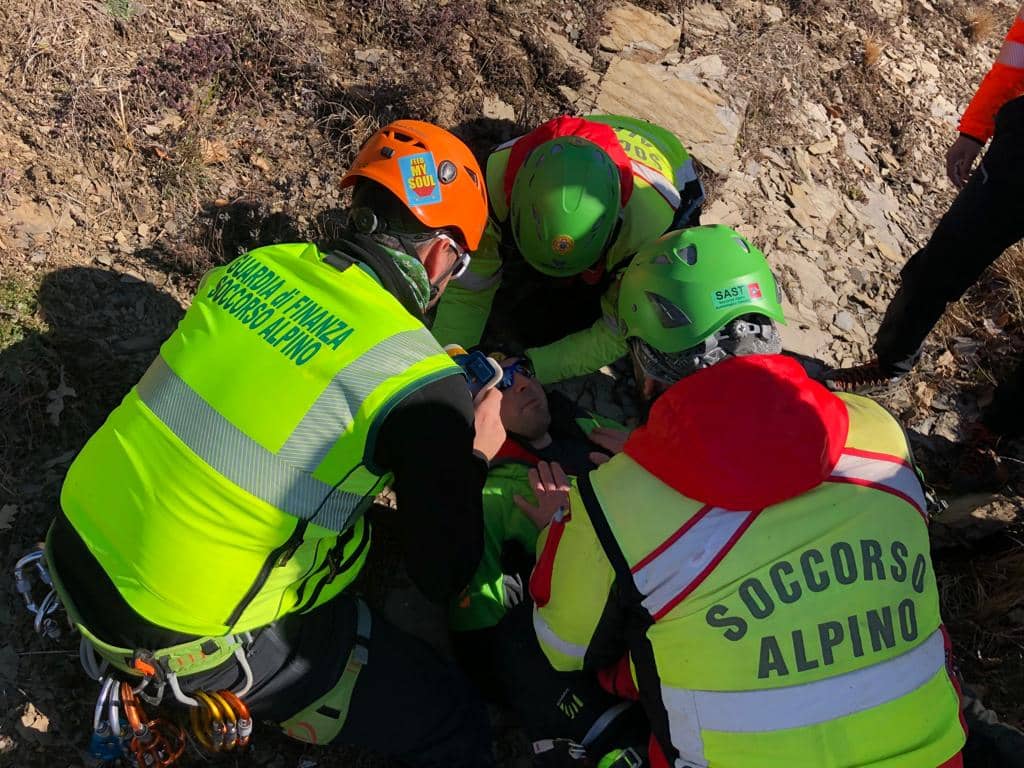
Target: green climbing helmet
x: 565, y: 205
x: 684, y: 287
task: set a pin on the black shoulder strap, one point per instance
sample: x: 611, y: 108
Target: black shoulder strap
x: 611, y: 547
x: 637, y: 620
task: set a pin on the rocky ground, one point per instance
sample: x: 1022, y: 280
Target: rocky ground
x: 143, y: 142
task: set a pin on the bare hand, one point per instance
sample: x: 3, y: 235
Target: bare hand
x: 490, y: 434
x: 551, y: 487
x: 960, y: 160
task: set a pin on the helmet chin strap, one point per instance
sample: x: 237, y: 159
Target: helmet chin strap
x: 367, y: 222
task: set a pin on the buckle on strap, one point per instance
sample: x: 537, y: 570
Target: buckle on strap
x: 568, y: 747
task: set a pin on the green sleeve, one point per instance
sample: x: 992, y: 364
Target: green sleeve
x: 466, y: 304
x: 482, y: 603
x: 577, y: 354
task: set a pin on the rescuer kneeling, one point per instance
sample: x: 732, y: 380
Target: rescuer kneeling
x: 753, y: 566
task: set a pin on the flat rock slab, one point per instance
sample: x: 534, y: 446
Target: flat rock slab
x: 639, y: 34
x: 702, y: 120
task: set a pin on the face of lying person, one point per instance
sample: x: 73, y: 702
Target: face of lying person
x: 524, y: 408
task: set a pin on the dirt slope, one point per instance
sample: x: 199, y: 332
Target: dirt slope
x: 143, y: 142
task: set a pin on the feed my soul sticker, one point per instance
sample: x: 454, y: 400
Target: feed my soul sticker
x: 419, y: 179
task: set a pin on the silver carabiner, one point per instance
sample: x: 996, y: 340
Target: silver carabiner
x: 22, y: 583
x: 42, y: 612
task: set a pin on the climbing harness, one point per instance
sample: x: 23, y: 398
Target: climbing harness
x: 121, y: 729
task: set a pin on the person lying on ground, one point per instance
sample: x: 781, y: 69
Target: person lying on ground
x: 209, y: 531
x: 571, y: 202
x: 754, y: 566
x: 491, y: 626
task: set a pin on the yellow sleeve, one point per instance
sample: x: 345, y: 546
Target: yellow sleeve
x: 570, y: 587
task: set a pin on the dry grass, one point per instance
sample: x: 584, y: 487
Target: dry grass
x: 872, y: 53
x: 983, y: 605
x: 980, y: 23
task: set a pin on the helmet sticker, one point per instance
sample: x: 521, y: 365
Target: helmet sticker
x: 737, y: 294
x: 419, y: 179
x: 563, y: 245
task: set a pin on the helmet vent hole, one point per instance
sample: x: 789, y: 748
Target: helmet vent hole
x: 670, y: 315
x: 472, y: 175
x: 688, y: 255
x: 742, y: 243
x: 405, y: 138
x: 662, y: 258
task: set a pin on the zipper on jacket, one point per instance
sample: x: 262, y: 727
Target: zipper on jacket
x: 277, y: 557
x: 335, y: 567
x: 340, y: 541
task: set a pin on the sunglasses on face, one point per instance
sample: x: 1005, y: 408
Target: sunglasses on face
x: 461, y: 254
x: 509, y: 374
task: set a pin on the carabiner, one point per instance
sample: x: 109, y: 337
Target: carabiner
x: 44, y: 624
x: 244, y: 718
x: 213, y: 721
x: 149, y: 743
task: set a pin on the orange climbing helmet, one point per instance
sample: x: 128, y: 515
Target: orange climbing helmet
x: 431, y: 171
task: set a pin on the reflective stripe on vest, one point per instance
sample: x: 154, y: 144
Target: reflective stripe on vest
x: 883, y: 473
x: 335, y: 409
x: 1012, y: 54
x: 677, y: 567
x: 797, y: 706
x: 548, y: 635
x: 659, y: 181
x: 283, y: 480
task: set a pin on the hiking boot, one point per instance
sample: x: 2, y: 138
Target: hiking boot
x: 859, y: 378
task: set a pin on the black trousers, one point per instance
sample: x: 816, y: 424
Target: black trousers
x: 408, y: 702
x: 507, y: 663
x: 986, y: 218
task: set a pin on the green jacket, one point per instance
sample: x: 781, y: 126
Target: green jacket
x: 483, y: 603
x: 651, y: 210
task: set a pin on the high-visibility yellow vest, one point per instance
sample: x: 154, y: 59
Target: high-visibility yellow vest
x: 804, y: 634
x: 228, y: 488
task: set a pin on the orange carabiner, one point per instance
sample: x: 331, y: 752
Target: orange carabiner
x: 150, y: 745
x: 244, y: 717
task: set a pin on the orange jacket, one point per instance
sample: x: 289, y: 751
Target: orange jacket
x: 1005, y: 81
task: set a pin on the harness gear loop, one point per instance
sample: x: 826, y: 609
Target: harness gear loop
x: 93, y: 667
